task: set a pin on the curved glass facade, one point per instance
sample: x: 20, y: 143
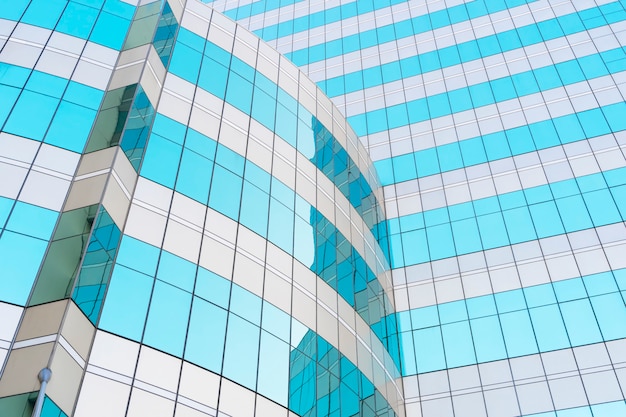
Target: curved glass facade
x: 496, y: 130
x: 309, y: 208
x: 212, y: 246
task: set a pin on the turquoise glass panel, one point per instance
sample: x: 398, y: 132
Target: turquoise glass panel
x: 71, y: 126
x: 549, y: 328
x: 22, y: 256
x: 518, y: 334
x: 241, y: 354
x: 206, y: 335
x: 126, y: 303
x: 212, y: 287
x: 176, y: 271
x: 488, y: 339
x: 21, y: 121
x: 273, y: 377
x: 580, y: 322
x: 166, y: 326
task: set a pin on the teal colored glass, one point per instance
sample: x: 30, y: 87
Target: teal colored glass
x: 6, y: 204
x: 110, y: 30
x: 415, y: 244
x: 213, y: 288
x: 568, y: 290
x: 263, y: 107
x: 573, y: 213
x: 481, y: 306
x: 545, y: 217
x: 194, y: 176
x: 601, y: 207
x: 206, y: 335
x: 281, y: 223
x: 83, y: 95
x: 22, y: 256
x: 519, y: 225
x: 44, y: 13
x: 599, y: 284
x: 161, y: 160
x: 276, y: 321
x: 32, y: 220
x: 580, y: 322
x: 213, y: 77
x: 254, y: 209
x: 13, y: 9
x: 138, y: 255
x: 409, y: 366
x: 610, y: 313
x: 50, y: 409
x: 21, y: 121
x: 549, y: 328
x: 126, y: 303
x: 549, y: 325
x: 609, y: 409
x: 273, y: 374
x: 8, y: 97
x: 389, y: 33
x: 241, y: 354
x: 539, y: 194
x: 492, y: 230
x: 239, y: 92
x: 166, y: 32
x: 71, y: 126
x: 510, y: 301
x: 504, y: 88
x: 466, y: 236
x: 230, y: 160
x: 97, y: 264
x: 452, y: 312
x: 137, y: 128
x: 429, y: 352
x: 457, y: 340
x: 176, y: 271
x: 440, y: 241
x: 488, y: 339
x: 518, y: 334
x: 246, y: 305
x: 186, y: 62
x: 78, y: 20
x: 166, y: 325
x: 539, y: 295
x: 47, y: 84
x: 200, y: 144
x: 225, y: 194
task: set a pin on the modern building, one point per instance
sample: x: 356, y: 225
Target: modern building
x: 309, y: 208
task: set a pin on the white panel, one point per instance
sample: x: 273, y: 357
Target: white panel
x: 101, y: 397
x: 114, y: 353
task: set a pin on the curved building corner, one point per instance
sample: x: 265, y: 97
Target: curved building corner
x: 189, y: 226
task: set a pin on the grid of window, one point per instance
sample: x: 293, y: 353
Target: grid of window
x: 542, y: 318
x: 568, y: 206
x: 496, y: 129
x: 104, y: 22
x: 237, y: 83
x: 26, y: 230
x: 165, y: 303
x: 171, y: 304
x: 175, y: 192
x: 65, y: 109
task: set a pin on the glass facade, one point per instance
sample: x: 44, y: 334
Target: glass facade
x: 496, y: 129
x: 313, y: 208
